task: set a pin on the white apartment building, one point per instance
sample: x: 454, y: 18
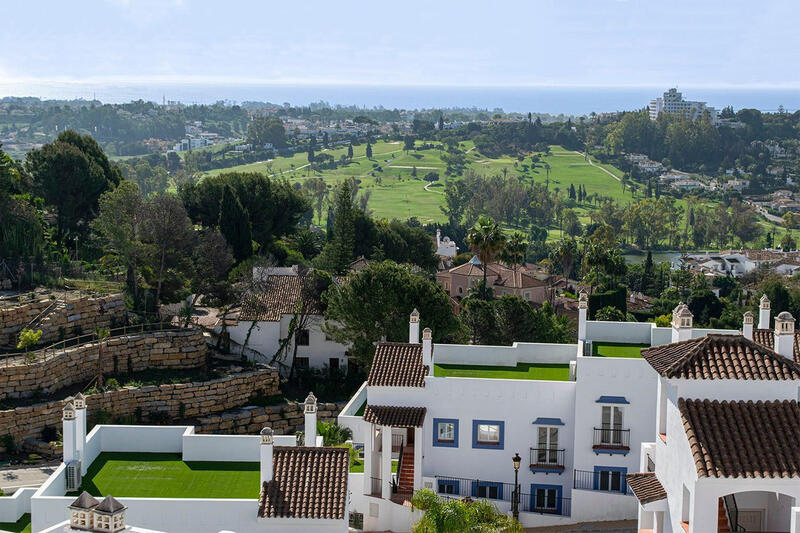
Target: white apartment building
x: 725, y: 454
x: 672, y: 102
x: 454, y: 416
x: 294, y: 488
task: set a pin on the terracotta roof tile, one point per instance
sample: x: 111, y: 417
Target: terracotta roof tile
x: 766, y: 337
x: 307, y: 483
x: 646, y: 487
x: 279, y: 297
x: 743, y: 439
x: 720, y: 357
x: 397, y: 364
x: 389, y: 415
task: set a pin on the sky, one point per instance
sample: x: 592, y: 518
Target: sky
x: 604, y: 43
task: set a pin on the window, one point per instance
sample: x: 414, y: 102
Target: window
x: 356, y: 520
x: 547, y: 450
x: 445, y: 432
x: 610, y: 479
x: 303, y: 337
x: 448, y: 486
x: 488, y: 434
x: 546, y: 498
x: 487, y: 489
x: 460, y: 290
x: 611, y: 425
x: 301, y: 362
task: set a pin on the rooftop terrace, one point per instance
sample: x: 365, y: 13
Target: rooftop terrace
x: 165, y: 475
x: 618, y: 349
x: 535, y: 371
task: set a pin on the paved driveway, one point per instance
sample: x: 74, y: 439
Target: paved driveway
x: 16, y: 477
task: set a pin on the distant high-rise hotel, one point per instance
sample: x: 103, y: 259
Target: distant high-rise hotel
x: 672, y: 102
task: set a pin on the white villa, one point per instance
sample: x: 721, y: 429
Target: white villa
x: 578, y: 415
x: 302, y: 488
x: 264, y: 321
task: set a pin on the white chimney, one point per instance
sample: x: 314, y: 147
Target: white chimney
x: 784, y: 334
x: 747, y: 325
x: 68, y: 431
x: 310, y: 412
x: 763, y: 313
x: 267, y: 449
x: 413, y: 327
x: 681, y: 323
x: 80, y: 429
x: 427, y: 349
x: 583, y: 309
x: 438, y: 238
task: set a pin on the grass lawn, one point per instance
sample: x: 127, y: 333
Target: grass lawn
x: 358, y: 466
x: 539, y: 371
x: 23, y: 525
x: 617, y: 349
x: 164, y: 475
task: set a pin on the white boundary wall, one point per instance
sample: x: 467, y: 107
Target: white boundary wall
x: 14, y: 506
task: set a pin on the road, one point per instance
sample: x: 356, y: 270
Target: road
x: 17, y: 477
x: 763, y: 212
x: 589, y: 159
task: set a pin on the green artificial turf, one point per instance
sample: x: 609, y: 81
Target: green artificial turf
x: 23, y: 525
x: 539, y: 371
x: 165, y: 475
x: 361, y: 409
x: 617, y: 349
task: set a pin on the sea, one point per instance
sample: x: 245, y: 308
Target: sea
x: 539, y: 99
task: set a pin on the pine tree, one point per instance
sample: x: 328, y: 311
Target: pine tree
x: 310, y: 154
x: 441, y: 122
x: 338, y: 252
x: 648, y: 277
x: 234, y: 224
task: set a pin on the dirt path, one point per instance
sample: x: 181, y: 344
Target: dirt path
x: 428, y: 190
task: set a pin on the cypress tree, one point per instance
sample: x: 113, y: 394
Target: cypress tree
x: 349, y: 151
x: 234, y: 224
x: 369, y: 151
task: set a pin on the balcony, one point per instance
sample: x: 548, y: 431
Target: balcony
x: 604, y: 481
x: 547, y: 460
x: 611, y: 440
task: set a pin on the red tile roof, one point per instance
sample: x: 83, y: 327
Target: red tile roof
x: 646, y: 487
x: 743, y: 439
x: 399, y: 417
x: 720, y: 357
x: 278, y: 297
x: 307, y: 483
x: 397, y: 364
x: 766, y: 337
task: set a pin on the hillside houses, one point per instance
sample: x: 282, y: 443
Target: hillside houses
x: 737, y: 263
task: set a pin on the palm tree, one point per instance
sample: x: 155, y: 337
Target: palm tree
x: 547, y: 173
x: 486, y: 240
x: 456, y: 516
x: 515, y: 250
x: 564, y: 254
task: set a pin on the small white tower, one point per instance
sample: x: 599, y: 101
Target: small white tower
x: 413, y: 327
x: 763, y: 312
x: 68, y: 432
x: 109, y: 516
x: 681, y: 323
x: 267, y: 441
x: 784, y: 334
x: 310, y: 412
x: 80, y: 429
x: 80, y: 512
x: 747, y: 325
x: 427, y: 349
x: 583, y: 309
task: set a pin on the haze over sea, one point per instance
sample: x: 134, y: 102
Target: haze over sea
x: 554, y: 100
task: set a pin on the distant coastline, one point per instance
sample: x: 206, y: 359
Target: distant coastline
x: 555, y: 100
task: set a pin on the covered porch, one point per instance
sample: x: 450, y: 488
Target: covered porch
x: 393, y: 432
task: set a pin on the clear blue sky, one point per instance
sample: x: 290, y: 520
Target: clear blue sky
x: 697, y: 43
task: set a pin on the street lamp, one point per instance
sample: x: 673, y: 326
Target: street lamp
x: 515, y: 499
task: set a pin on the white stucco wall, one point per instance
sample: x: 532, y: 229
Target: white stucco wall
x: 519, y: 352
x: 14, y: 506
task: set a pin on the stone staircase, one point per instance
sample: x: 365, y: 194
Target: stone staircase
x: 723, y: 525
x: 405, y: 477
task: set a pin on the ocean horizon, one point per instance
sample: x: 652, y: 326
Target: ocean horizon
x: 539, y: 99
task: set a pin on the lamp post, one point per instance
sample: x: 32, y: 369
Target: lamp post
x: 515, y: 498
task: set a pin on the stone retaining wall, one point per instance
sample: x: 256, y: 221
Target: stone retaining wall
x: 284, y: 419
x: 198, y: 399
x: 66, y: 319
x: 176, y: 349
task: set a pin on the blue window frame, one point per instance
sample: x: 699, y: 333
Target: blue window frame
x: 546, y: 498
x: 449, y: 486
x: 612, y: 399
x: 447, y: 435
x: 491, y: 433
x: 490, y: 490
x: 610, y: 479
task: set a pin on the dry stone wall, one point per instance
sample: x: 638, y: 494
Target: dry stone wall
x: 65, y: 319
x: 284, y: 419
x: 189, y: 400
x: 169, y: 349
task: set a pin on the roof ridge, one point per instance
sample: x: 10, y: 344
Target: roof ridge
x: 771, y: 353
x: 680, y: 362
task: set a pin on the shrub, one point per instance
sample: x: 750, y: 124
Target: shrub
x: 9, y: 444
x: 50, y: 434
